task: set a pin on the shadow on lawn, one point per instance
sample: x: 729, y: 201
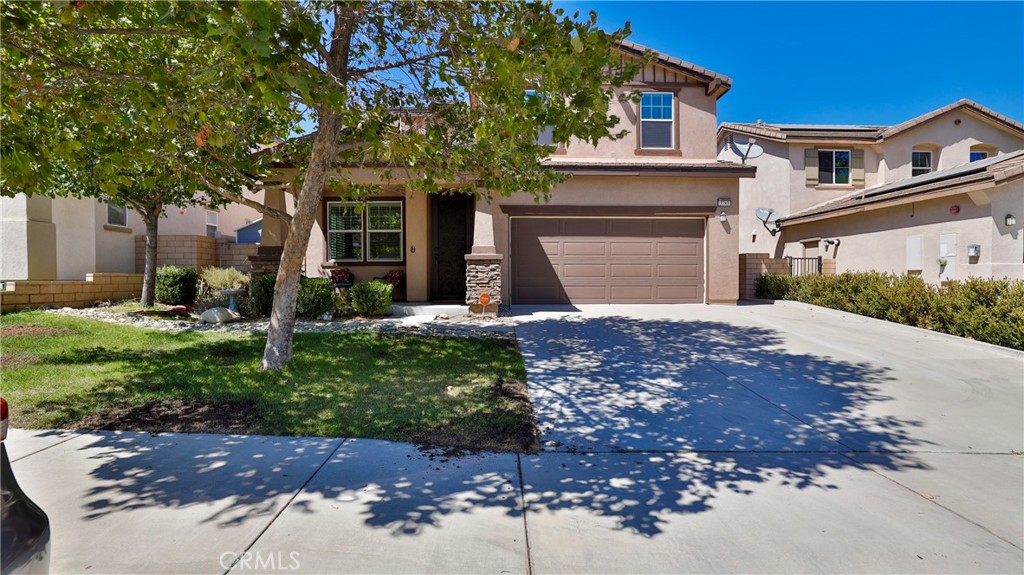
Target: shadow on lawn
x: 621, y: 400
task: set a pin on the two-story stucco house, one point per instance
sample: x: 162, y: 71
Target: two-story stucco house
x: 939, y: 195
x: 649, y: 218
x: 45, y: 238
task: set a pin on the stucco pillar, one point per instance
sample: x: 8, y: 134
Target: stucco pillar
x: 275, y: 230
x: 273, y: 235
x: 417, y: 246
x: 28, y: 238
x: 483, y: 264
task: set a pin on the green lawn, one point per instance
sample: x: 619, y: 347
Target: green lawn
x: 65, y: 372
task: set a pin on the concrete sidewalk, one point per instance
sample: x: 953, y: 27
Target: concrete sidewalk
x: 123, y: 502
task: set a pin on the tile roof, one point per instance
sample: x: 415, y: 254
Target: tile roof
x: 978, y: 171
x: 860, y: 132
x: 963, y: 103
x: 682, y: 65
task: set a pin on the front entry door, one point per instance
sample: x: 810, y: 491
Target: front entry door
x: 452, y: 238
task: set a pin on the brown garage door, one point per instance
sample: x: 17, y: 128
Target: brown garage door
x: 607, y: 260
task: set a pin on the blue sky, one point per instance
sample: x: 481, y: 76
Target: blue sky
x: 838, y: 62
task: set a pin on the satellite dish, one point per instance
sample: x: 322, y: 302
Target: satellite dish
x: 768, y: 216
x: 746, y: 150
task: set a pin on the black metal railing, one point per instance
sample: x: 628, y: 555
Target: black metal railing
x: 804, y: 266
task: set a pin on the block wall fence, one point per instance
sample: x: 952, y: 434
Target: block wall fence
x: 183, y: 251
x: 96, y: 287
x: 753, y: 266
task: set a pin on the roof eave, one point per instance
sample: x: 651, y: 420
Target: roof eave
x: 727, y: 171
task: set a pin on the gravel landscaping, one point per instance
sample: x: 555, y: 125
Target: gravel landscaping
x: 501, y: 328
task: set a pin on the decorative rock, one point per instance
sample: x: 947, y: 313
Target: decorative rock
x: 442, y: 316
x: 474, y: 327
x: 219, y: 315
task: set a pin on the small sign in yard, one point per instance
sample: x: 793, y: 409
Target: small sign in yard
x: 485, y: 298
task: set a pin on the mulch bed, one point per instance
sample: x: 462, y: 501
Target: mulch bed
x: 179, y: 416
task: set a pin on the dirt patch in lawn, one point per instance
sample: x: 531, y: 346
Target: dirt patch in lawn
x: 511, y: 429
x: 179, y: 416
x: 11, y: 360
x: 30, y: 331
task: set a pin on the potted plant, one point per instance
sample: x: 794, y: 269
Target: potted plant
x: 395, y: 278
x: 342, y: 278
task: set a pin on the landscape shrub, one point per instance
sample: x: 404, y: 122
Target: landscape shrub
x: 771, y: 286
x: 176, y: 286
x: 372, y: 297
x: 316, y: 298
x: 261, y: 294
x: 986, y: 310
x: 982, y: 309
x: 215, y: 279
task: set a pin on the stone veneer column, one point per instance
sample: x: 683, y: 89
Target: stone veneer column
x: 483, y: 276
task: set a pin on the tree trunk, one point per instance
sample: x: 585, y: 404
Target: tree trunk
x: 326, y: 147
x: 278, y: 350
x: 152, y: 220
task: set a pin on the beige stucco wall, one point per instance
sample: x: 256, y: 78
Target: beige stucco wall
x: 76, y: 237
x: 28, y: 240
x: 770, y: 188
x: 191, y: 221
x: 417, y: 248
x: 721, y: 240
x: 696, y: 119
x: 877, y: 239
x: 949, y: 142
x: 803, y: 196
x: 67, y: 238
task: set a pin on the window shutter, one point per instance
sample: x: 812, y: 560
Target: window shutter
x: 857, y: 167
x: 811, y: 166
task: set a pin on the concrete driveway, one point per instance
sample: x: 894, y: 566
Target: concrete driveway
x: 753, y: 439
x: 769, y: 438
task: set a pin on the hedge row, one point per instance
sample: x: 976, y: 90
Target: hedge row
x: 983, y: 309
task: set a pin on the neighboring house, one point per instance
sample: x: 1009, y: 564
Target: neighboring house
x: 66, y: 238
x: 250, y: 233
x: 898, y: 198
x: 650, y: 218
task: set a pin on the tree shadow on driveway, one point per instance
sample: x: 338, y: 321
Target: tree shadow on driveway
x: 647, y: 419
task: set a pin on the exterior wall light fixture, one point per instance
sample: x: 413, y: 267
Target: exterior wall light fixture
x: 1011, y: 220
x: 722, y: 217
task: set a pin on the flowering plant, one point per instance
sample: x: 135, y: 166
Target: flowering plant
x: 342, y: 276
x: 394, y: 277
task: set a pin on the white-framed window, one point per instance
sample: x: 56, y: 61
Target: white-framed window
x: 978, y: 155
x: 117, y: 215
x: 212, y: 218
x: 657, y: 121
x: 833, y: 167
x: 377, y: 225
x: 546, y: 136
x: 384, y: 232
x: 920, y: 162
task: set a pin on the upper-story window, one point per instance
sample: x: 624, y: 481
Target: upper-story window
x: 212, y: 218
x: 546, y: 136
x: 117, y: 215
x: 833, y: 166
x: 920, y: 163
x: 657, y: 121
x: 978, y: 155
x: 378, y: 227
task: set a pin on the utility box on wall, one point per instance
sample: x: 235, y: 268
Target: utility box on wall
x: 973, y: 250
